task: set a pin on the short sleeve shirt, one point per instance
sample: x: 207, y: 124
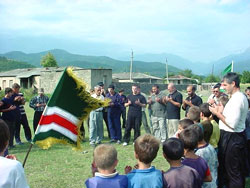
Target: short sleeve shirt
x: 172, y: 110
x: 196, y: 100
x: 134, y: 108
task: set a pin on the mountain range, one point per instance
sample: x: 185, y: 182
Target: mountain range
x: 65, y: 58
x: 153, y: 64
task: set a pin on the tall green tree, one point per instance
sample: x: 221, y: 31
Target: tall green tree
x: 212, y: 78
x: 48, y: 61
x: 187, y: 73
x: 245, y: 78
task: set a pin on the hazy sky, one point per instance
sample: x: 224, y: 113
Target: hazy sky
x: 199, y: 30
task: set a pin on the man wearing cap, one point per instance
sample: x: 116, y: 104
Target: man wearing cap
x: 114, y: 114
x: 38, y: 103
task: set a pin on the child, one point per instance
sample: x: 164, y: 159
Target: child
x: 11, y: 171
x: 105, y: 159
x: 9, y: 115
x: 194, y: 114
x: 206, y: 115
x: 190, y: 139
x: 178, y: 175
x: 207, y: 130
x: 223, y: 100
x: 207, y: 152
x: 146, y: 176
x: 183, y: 124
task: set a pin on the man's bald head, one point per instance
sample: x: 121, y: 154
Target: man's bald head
x: 171, y: 87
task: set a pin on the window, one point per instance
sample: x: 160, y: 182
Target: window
x: 4, y: 84
x: 10, y: 83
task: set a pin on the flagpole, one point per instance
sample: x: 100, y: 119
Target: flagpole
x: 25, y: 159
x: 232, y: 66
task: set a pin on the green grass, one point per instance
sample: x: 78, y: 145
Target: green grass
x: 60, y: 166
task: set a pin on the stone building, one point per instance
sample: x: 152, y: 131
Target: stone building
x: 180, y: 80
x: 137, y: 77
x: 47, y: 78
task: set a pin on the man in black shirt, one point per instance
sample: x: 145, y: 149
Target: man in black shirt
x: 191, y: 100
x: 135, y: 101
x: 174, y: 101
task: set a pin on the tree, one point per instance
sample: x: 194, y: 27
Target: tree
x: 49, y: 61
x: 212, y: 78
x: 245, y: 78
x: 187, y: 73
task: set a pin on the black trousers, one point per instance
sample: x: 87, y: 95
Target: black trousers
x: 24, y: 122
x: 133, y: 121
x: 232, y: 155
x: 123, y: 118
x: 36, y: 119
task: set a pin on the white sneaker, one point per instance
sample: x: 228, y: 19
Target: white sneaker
x: 125, y: 144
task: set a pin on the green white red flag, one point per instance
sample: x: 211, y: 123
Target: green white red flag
x: 68, y: 106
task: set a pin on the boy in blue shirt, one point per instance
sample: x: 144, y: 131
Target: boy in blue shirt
x: 105, y: 159
x: 146, y: 176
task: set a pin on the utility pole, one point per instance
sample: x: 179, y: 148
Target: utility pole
x: 213, y: 69
x: 131, y: 65
x: 167, y: 70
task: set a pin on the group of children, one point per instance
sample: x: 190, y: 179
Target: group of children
x: 193, y: 160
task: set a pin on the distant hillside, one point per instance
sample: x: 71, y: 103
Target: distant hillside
x: 241, y: 62
x: 65, y: 58
x: 7, y: 64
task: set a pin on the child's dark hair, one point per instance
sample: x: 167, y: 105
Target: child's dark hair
x: 199, y: 130
x: 204, y: 108
x: 4, y: 135
x: 8, y: 90
x: 208, y: 130
x: 185, y: 123
x: 173, y: 148
x: 146, y: 147
x: 189, y: 137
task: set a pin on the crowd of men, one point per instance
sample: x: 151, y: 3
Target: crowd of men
x: 164, y: 112
x: 229, y: 121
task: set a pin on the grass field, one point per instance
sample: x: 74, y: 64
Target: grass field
x: 61, y: 167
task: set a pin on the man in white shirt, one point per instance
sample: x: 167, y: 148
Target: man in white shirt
x: 232, y: 145
x: 96, y: 121
x: 11, y: 171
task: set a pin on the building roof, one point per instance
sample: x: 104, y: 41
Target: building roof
x: 135, y: 75
x: 179, y: 77
x: 28, y: 72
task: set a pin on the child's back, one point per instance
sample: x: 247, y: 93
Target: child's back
x: 208, y: 153
x: 199, y: 164
x: 111, y: 180
x: 182, y: 177
x: 214, y: 140
x: 150, y: 177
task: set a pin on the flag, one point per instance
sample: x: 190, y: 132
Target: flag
x: 68, y: 106
x: 227, y: 69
